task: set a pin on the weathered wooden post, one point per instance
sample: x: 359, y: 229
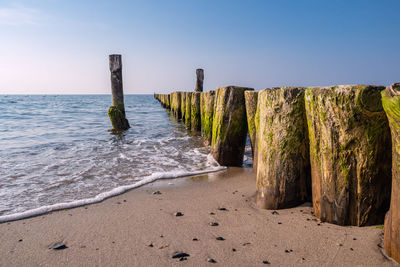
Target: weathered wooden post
x: 283, y: 169
x: 188, y: 109
x: 117, y: 111
x: 229, y: 126
x: 251, y: 109
x: 195, y: 120
x: 391, y: 104
x: 206, y: 115
x: 199, y: 80
x: 183, y: 106
x: 350, y: 164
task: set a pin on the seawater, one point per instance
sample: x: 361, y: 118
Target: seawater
x: 56, y: 151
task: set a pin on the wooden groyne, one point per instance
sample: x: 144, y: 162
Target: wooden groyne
x: 330, y: 145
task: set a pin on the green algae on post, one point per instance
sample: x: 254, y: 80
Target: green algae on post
x: 229, y: 130
x: 206, y: 114
x: 195, y: 122
x: 251, y: 109
x: 283, y: 169
x: 391, y: 105
x: 349, y: 143
x: 188, y: 109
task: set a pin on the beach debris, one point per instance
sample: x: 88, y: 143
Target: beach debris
x: 214, y: 224
x: 59, y: 246
x: 275, y: 212
x: 223, y: 209
x: 211, y: 260
x: 266, y: 262
x: 195, y: 239
x: 245, y: 244
x: 220, y: 238
x: 157, y: 193
x: 163, y: 246
x: 177, y: 255
x: 178, y: 214
x: 150, y: 245
x: 287, y: 251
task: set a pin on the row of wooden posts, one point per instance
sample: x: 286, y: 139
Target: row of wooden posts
x: 328, y: 145
x: 338, y: 146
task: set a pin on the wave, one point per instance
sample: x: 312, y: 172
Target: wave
x: 102, y: 196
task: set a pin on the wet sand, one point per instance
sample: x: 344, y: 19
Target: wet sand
x: 139, y: 228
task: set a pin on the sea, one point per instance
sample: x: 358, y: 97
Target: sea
x: 56, y: 151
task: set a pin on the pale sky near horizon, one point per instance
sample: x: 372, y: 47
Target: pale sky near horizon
x: 62, y: 47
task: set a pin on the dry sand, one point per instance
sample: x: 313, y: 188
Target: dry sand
x: 118, y: 231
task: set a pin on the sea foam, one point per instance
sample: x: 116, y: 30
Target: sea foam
x: 102, y: 196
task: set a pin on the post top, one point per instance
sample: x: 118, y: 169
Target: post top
x: 115, y: 62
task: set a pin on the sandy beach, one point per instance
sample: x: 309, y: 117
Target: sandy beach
x: 139, y: 228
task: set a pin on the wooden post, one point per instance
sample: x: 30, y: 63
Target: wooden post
x: 199, y: 80
x: 117, y: 111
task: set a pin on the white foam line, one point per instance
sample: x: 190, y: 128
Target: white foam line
x: 102, y: 196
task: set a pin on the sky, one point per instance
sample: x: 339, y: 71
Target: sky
x: 62, y: 46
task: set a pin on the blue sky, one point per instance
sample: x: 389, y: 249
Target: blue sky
x: 56, y: 47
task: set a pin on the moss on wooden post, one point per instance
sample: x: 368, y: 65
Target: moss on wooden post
x: 229, y: 126
x: 188, y: 110
x: 183, y: 106
x: 176, y: 104
x: 391, y: 105
x: 206, y: 114
x: 117, y: 111
x: 251, y: 109
x: 349, y: 143
x: 283, y: 167
x: 195, y: 122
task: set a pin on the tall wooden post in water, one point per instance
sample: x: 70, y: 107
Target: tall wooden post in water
x: 117, y: 111
x: 199, y: 80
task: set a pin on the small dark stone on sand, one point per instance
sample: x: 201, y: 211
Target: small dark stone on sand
x: 354, y: 238
x: 150, y: 245
x: 124, y: 200
x: 235, y: 209
x: 247, y: 243
x: 224, y: 209
x: 308, y: 219
x: 161, y: 236
x: 178, y: 214
x: 279, y: 223
x: 303, y: 259
x: 118, y: 202
x: 83, y: 246
x: 274, y: 212
x: 318, y: 224
x: 214, y: 224
x: 351, y: 249
x: 287, y: 251
x: 97, y: 248
x: 183, y: 259
x: 301, y: 210
x: 58, y: 247
x: 212, y: 213
x: 234, y: 249
x: 291, y: 250
x: 180, y: 255
x: 195, y: 239
x: 113, y: 242
x: 20, y: 240
x: 212, y: 260
x: 341, y: 245
x: 266, y: 262
x: 157, y: 193
x: 220, y: 238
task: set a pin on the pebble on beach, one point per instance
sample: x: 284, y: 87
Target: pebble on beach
x: 180, y: 255
x: 178, y: 214
x: 214, y: 224
x: 58, y: 246
x: 212, y: 260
